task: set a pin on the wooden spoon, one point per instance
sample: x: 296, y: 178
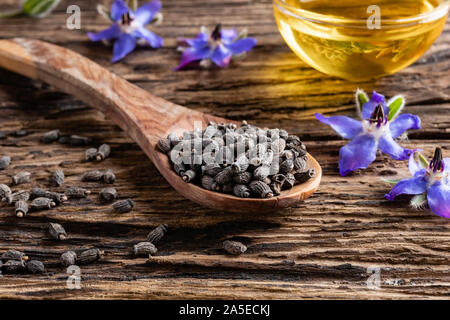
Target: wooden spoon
x: 144, y: 117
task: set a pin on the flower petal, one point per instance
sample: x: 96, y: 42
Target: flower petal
x: 416, y: 185
x: 438, y: 196
x: 358, y: 154
x: 118, y: 8
x: 346, y: 127
x: 144, y: 14
x: 193, y: 54
x: 241, y: 45
x: 123, y: 46
x: 199, y: 41
x: 153, y: 39
x: 370, y: 106
x: 107, y: 34
x: 221, y: 56
x: 414, y: 166
x: 402, y: 123
x: 228, y: 35
x: 389, y: 146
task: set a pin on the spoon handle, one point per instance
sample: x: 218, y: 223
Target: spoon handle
x: 145, y: 117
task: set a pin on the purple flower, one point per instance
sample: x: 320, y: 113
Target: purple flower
x: 129, y: 27
x: 218, y: 47
x: 430, y: 183
x: 380, y: 125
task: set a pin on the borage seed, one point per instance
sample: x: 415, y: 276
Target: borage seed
x: 21, y: 208
x: 35, y: 267
x: 305, y: 176
x: 16, y: 196
x: 234, y: 247
x: 55, y: 196
x: 91, y: 176
x: 21, y: 177
x: 57, y: 231
x: 58, y: 178
x: 108, y: 194
x: 68, y: 258
x: 144, y: 249
x: 51, y: 136
x: 76, y: 140
x: 90, y: 256
x: 14, y: 255
x: 77, y: 193
x: 260, y: 189
x: 5, y: 161
x: 90, y: 154
x: 123, y: 206
x: 13, y: 267
x: 157, y: 234
x: 103, y: 152
x: 42, y: 203
x: 5, y: 192
x: 109, y: 176
x: 164, y: 145
x: 241, y: 191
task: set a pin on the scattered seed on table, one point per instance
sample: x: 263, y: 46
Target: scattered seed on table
x: 16, y: 196
x: 58, y: 177
x: 42, y: 203
x: 5, y: 161
x: 234, y: 247
x: 76, y: 140
x: 68, y: 258
x: 91, y: 154
x: 21, y: 208
x: 109, y: 176
x: 108, y: 194
x: 103, y: 152
x: 2, y: 134
x: 5, y: 191
x: 93, y: 175
x: 14, y: 255
x: 21, y: 177
x: 13, y: 266
x: 144, y: 249
x: 21, y: 133
x: 55, y: 196
x: 77, y: 193
x: 35, y: 267
x: 89, y: 256
x: 51, y: 136
x: 123, y: 206
x: 64, y: 139
x: 57, y: 231
x: 157, y: 234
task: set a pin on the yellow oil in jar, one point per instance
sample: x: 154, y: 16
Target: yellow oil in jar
x: 333, y: 37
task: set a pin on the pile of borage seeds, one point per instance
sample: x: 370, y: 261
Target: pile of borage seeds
x: 247, y: 161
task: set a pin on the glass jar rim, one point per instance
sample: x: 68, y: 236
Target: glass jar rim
x: 302, y: 14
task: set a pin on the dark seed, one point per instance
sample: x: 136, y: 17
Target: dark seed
x: 58, y: 177
x: 13, y: 255
x: 289, y: 181
x: 57, y: 231
x: 144, y: 249
x: 5, y: 161
x: 209, y: 183
x: 123, y: 206
x: 5, y: 192
x: 108, y: 194
x: 286, y: 166
x: 299, y: 164
x: 188, y: 176
x: 241, y: 190
x: 109, y: 176
x: 58, y: 198
x: 21, y: 208
x: 156, y: 234
x: 76, y: 193
x: 164, y: 145
x: 21, y: 177
x: 94, y: 175
x: 35, y: 267
x: 305, y: 176
x: 243, y: 178
x: 234, y: 247
x: 21, y: 133
x: 224, y: 176
x: 19, y: 195
x: 89, y: 256
x: 13, y: 266
x: 76, y: 140
x: 261, y: 172
x: 51, y: 136
x: 42, y: 203
x: 103, y: 152
x: 91, y: 154
x: 260, y: 189
x: 68, y: 258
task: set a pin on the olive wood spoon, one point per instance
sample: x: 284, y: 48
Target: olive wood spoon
x: 143, y: 116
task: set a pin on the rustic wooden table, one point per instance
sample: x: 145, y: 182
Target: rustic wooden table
x: 320, y: 249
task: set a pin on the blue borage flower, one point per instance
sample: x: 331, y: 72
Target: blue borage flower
x: 430, y: 183
x: 218, y: 47
x: 129, y: 27
x: 380, y: 125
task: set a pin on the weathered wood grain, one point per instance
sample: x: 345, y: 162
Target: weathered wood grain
x: 320, y: 249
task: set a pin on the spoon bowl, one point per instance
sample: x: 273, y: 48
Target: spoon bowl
x: 143, y: 116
